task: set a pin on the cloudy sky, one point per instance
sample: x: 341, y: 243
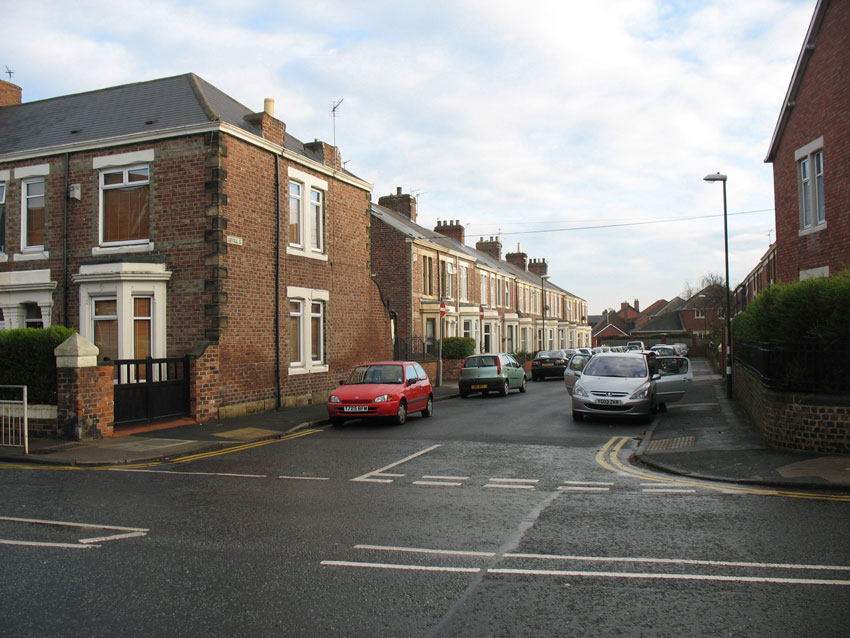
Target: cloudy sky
x: 580, y: 131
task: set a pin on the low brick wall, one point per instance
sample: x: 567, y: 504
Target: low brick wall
x: 451, y: 369
x: 797, y: 422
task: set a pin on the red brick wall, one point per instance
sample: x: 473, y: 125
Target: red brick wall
x: 391, y: 262
x: 821, y: 108
x: 85, y: 401
x: 204, y: 384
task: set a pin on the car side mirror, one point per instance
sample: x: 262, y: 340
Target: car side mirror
x: 656, y: 377
x: 342, y: 382
x: 412, y: 381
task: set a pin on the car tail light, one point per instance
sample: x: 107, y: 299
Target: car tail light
x: 464, y: 362
x: 498, y: 365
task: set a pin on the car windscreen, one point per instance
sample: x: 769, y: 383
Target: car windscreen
x: 549, y: 354
x: 484, y: 361
x: 630, y: 367
x: 376, y: 374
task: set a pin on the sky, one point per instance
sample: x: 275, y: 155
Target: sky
x: 578, y: 131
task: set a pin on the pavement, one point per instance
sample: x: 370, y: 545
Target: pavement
x: 714, y: 443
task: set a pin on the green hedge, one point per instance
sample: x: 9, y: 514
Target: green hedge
x: 811, y: 312
x: 458, y: 347
x: 28, y: 359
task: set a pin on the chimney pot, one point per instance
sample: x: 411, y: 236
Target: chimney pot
x: 268, y: 106
x: 398, y: 190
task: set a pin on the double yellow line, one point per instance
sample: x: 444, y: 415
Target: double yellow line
x: 609, y: 458
x: 180, y: 459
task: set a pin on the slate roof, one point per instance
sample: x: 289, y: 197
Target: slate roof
x: 141, y: 108
x: 668, y: 322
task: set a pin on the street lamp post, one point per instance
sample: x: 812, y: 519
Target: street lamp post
x: 543, y: 279
x: 719, y: 177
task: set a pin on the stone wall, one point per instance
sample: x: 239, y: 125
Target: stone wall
x: 798, y: 422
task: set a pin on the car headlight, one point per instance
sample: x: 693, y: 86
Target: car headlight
x: 642, y: 392
x: 334, y: 399
x: 579, y: 390
x: 382, y: 399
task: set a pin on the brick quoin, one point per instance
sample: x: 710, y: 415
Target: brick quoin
x: 820, y: 109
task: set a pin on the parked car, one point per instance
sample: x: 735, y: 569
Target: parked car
x: 664, y: 350
x: 629, y: 383
x: 573, y: 370
x: 584, y: 350
x: 549, y: 363
x: 635, y: 345
x: 682, y: 348
x: 485, y: 372
x: 382, y: 389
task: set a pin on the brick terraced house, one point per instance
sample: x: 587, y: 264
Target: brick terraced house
x: 164, y: 218
x: 497, y: 302
x: 810, y: 153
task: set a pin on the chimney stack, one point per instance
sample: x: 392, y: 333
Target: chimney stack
x: 452, y: 229
x: 492, y: 247
x: 10, y: 94
x: 272, y: 129
x: 539, y: 267
x: 518, y: 259
x: 401, y: 203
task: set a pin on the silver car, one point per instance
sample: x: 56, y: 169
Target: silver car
x: 629, y: 383
x: 573, y: 370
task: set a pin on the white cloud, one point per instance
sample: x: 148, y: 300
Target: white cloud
x: 541, y: 116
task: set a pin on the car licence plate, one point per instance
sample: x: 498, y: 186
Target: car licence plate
x: 608, y: 401
x: 478, y: 387
x: 548, y: 364
x: 355, y: 408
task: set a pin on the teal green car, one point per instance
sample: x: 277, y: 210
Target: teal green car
x: 485, y: 372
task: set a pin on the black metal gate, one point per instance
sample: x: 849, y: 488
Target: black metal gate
x: 151, y: 389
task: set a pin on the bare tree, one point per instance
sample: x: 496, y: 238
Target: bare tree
x: 711, y: 292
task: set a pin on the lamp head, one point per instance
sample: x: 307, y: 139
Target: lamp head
x: 715, y: 177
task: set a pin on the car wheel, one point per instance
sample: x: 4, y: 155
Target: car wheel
x: 577, y: 416
x: 523, y: 386
x: 429, y: 407
x: 401, y: 415
x: 506, y: 387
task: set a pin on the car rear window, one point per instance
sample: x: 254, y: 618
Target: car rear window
x: 629, y: 367
x: 485, y: 361
x: 549, y: 354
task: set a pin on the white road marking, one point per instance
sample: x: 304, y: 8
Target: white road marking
x: 67, y: 524
x: 513, y: 480
x: 304, y: 478
x: 598, y: 574
x: 114, y: 537
x: 446, y: 478
x: 4, y: 541
x: 505, y: 486
x: 366, y: 478
x: 600, y: 483
x: 388, y: 475
x: 415, y: 568
x: 118, y: 469
x: 439, y: 483
x: 578, y: 488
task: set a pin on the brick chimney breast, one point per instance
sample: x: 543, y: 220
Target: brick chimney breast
x: 272, y: 129
x: 10, y: 94
x: 329, y: 154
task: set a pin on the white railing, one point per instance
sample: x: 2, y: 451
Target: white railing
x: 13, y: 419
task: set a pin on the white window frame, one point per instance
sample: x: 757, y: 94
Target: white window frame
x: 25, y: 216
x: 309, y: 363
x: 4, y: 175
x: 111, y: 163
x: 483, y: 288
x: 463, y: 279
x: 124, y: 281
x: 102, y: 187
x: 308, y: 184
x: 812, y: 210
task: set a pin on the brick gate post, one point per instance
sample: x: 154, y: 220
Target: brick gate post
x: 85, y: 390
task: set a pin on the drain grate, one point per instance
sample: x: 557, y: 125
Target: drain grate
x: 670, y: 444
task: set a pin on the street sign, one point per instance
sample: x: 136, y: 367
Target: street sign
x: 481, y: 312
x: 442, y: 308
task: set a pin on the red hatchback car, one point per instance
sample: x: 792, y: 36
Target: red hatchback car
x: 384, y: 389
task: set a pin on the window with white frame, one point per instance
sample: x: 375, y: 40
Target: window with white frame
x: 467, y: 328
x: 125, y: 205
x: 463, y: 282
x: 307, y: 215
x: 493, y: 289
x: 484, y: 288
x: 810, y: 180
x: 427, y: 275
x: 448, y: 279
x: 499, y: 291
x: 123, y: 308
x: 507, y: 293
x: 32, y: 214
x: 307, y: 308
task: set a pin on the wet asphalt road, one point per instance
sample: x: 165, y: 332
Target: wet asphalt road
x: 496, y: 517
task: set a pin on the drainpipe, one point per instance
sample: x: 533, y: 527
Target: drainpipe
x: 65, y: 283
x: 277, y: 278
